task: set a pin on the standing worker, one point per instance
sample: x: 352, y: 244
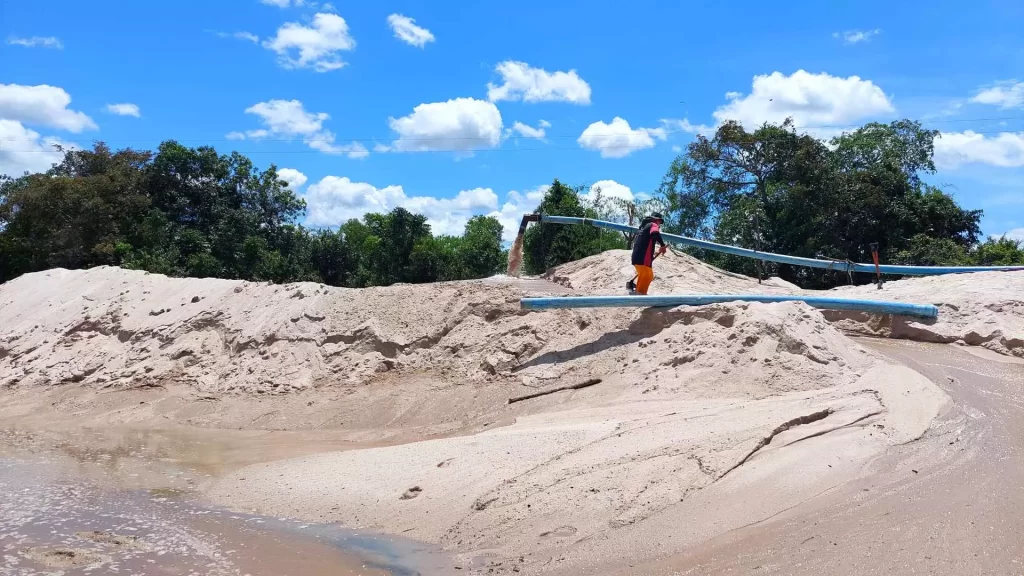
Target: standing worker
x: 643, y: 251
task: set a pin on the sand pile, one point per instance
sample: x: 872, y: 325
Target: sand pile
x: 741, y: 408
x: 981, y: 309
x: 111, y: 327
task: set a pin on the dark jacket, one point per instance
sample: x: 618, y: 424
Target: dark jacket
x: 643, y: 245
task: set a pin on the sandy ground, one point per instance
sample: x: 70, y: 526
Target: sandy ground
x: 950, y: 503
x: 695, y: 423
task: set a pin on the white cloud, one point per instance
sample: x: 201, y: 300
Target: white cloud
x: 125, y: 109
x: 318, y: 46
x: 334, y: 200
x: 293, y: 177
x: 243, y: 35
x: 516, y: 205
x: 521, y: 82
x: 458, y: 125
x: 544, y: 124
x: 1006, y: 94
x: 23, y: 150
x: 617, y: 140
x: 677, y: 148
x: 1015, y: 234
x: 1005, y: 150
x: 41, y: 41
x: 528, y: 131
x: 289, y: 119
x: 282, y: 3
x: 810, y: 99
x: 609, y: 189
x: 855, y: 36
x: 407, y: 31
x: 684, y: 125
x: 324, y: 142
x: 44, y: 105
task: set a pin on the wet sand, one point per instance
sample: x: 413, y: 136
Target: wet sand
x: 949, y: 503
x: 67, y: 507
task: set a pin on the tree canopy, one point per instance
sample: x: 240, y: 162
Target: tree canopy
x: 777, y: 190
x: 193, y: 212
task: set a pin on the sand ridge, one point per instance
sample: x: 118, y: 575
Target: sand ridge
x: 743, y: 409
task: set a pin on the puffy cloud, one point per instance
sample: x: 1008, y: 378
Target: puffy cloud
x: 289, y: 119
x: 317, y: 46
x: 293, y: 177
x: 40, y: 41
x: 855, y: 36
x: 684, y: 125
x: 334, y: 200
x: 810, y: 99
x: 1006, y: 94
x: 609, y: 189
x: 24, y: 150
x: 953, y: 149
x: 617, y: 140
x: 1015, y: 234
x: 521, y: 82
x: 516, y: 205
x: 458, y: 125
x: 125, y: 109
x: 407, y: 31
x: 528, y: 131
x: 44, y: 105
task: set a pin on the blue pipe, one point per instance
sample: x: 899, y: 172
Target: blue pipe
x: 876, y: 306
x: 841, y: 266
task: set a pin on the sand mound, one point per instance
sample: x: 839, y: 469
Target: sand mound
x: 674, y: 273
x: 114, y: 328
x: 980, y: 309
x: 694, y: 405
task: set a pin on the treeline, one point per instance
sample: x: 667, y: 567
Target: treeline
x: 777, y: 190
x: 193, y: 212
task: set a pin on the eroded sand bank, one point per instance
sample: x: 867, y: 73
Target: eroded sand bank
x: 704, y: 420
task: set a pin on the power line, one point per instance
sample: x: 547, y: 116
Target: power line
x: 451, y: 150
x: 653, y: 132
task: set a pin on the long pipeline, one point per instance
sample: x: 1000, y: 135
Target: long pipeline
x: 874, y: 306
x: 839, y: 265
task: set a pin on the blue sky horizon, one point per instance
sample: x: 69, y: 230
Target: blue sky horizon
x: 457, y: 109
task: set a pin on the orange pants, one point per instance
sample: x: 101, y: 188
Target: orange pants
x: 644, y: 275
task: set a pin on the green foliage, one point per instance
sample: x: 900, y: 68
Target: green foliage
x: 998, y: 252
x: 547, y: 246
x: 775, y: 190
x: 192, y: 212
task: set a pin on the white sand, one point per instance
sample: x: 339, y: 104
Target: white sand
x: 705, y: 418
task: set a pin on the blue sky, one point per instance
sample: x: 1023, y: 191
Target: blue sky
x: 460, y: 108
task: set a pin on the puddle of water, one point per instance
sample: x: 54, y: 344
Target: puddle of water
x: 55, y: 520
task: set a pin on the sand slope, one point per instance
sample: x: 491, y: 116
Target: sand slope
x: 979, y: 309
x: 704, y: 419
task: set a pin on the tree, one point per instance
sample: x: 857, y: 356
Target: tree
x: 1001, y: 251
x: 775, y: 190
x: 480, y: 249
x: 549, y: 245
